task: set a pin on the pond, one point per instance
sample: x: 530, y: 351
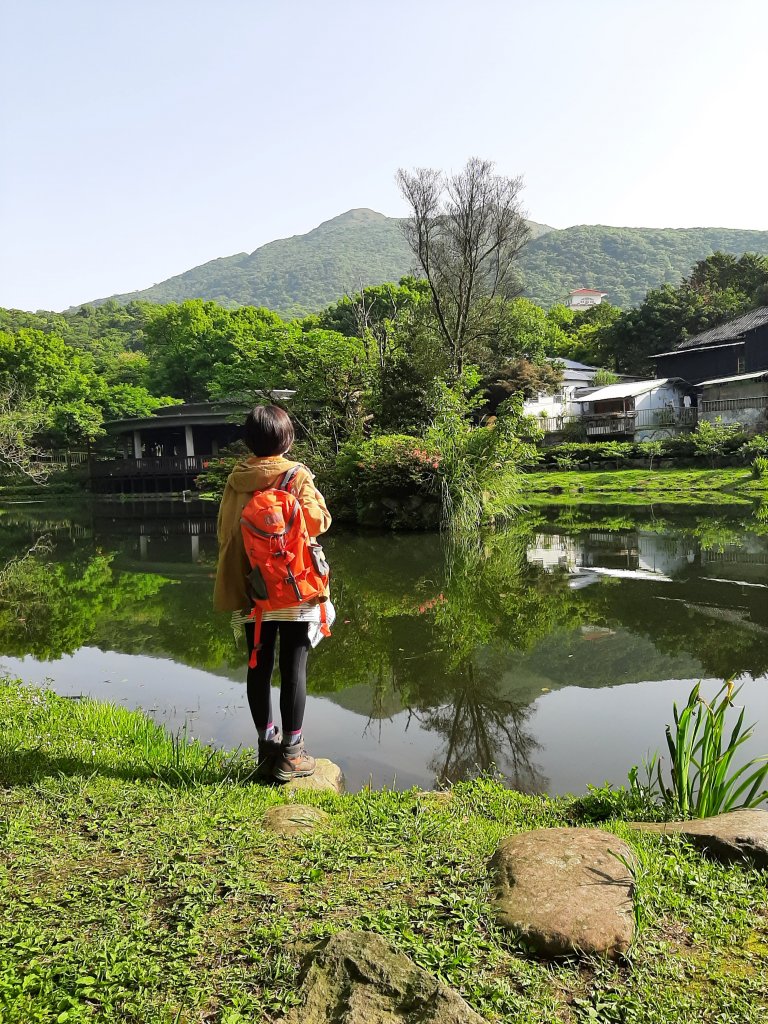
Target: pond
x: 553, y: 650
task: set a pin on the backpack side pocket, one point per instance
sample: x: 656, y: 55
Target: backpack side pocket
x: 317, y: 555
x: 257, y: 588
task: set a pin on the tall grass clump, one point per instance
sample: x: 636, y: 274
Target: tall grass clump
x: 702, y: 750
x: 43, y: 734
x: 478, y: 469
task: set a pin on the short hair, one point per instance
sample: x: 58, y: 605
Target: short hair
x: 268, y: 430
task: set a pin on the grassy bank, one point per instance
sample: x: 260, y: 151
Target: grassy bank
x: 139, y: 885
x: 692, y: 486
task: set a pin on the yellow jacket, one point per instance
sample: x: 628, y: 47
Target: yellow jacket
x: 254, y: 474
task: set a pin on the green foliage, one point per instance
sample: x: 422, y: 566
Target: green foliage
x: 604, y: 377
x: 714, y: 440
x: 757, y: 445
x: 760, y: 467
x: 617, y: 451
x: 584, y: 331
x: 21, y: 421
x: 652, y: 450
x: 106, y: 332
x: 65, y: 383
x: 703, y: 778
x: 523, y: 330
x: 722, y: 441
x: 187, y: 343
x: 718, y: 289
x: 330, y: 373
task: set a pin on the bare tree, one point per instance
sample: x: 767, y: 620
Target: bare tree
x: 466, y: 231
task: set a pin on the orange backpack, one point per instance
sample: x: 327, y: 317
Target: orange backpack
x: 287, y: 569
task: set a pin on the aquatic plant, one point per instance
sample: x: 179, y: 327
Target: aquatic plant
x: 703, y: 778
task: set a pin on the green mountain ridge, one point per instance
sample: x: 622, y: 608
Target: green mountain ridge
x: 304, y: 273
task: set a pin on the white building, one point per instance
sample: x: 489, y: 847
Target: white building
x: 575, y: 376
x: 583, y: 298
x: 640, y: 410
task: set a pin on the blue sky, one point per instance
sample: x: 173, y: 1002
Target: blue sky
x: 142, y: 138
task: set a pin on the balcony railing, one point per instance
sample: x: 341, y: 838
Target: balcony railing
x: 729, y: 404
x: 60, y: 460
x: 674, y: 419
x: 174, y: 465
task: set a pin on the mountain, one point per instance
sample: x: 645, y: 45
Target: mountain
x: 624, y: 262
x: 303, y: 273
x: 300, y: 274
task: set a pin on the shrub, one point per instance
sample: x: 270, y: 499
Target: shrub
x: 478, y: 471
x: 760, y: 467
x: 652, y: 450
x: 714, y: 440
x: 576, y: 453
x: 758, y: 445
x: 574, y: 430
x: 385, y: 481
x: 617, y: 451
x: 680, y: 446
x: 396, y: 463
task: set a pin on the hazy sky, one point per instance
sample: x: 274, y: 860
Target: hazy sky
x: 143, y: 137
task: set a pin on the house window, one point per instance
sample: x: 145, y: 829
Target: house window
x: 741, y: 364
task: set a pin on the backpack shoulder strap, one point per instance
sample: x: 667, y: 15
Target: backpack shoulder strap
x: 285, y: 481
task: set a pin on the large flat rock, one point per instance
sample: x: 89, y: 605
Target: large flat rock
x: 294, y: 819
x: 735, y: 836
x: 565, y: 891
x: 359, y: 978
x: 328, y: 777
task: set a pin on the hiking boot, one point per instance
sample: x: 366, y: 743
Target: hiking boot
x: 293, y: 762
x: 268, y: 754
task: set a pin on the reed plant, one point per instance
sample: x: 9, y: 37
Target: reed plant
x: 704, y: 778
x: 477, y: 472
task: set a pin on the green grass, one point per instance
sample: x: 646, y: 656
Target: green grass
x: 139, y: 885
x: 729, y: 486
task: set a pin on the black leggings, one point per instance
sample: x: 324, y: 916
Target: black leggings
x: 294, y: 648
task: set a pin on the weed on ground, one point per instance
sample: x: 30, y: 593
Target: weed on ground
x: 140, y: 885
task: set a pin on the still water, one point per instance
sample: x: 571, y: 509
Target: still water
x: 553, y: 650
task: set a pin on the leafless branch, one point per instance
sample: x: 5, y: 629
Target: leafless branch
x: 466, y: 231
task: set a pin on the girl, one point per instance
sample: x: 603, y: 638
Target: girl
x: 268, y: 433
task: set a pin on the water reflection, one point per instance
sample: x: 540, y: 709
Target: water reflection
x: 439, y: 658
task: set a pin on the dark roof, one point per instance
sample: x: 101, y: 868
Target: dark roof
x: 731, y: 331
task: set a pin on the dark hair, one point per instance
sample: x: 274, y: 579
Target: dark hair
x: 268, y: 430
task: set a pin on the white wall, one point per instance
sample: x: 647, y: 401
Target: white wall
x: 582, y: 301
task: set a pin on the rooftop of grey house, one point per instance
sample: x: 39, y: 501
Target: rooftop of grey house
x: 729, y: 333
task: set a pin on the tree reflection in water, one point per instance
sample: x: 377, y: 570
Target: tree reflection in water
x: 485, y: 732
